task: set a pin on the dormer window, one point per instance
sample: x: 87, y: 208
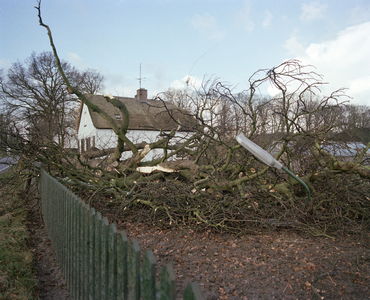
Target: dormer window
x: 118, y: 116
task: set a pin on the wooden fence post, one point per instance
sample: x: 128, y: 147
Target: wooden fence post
x: 98, y: 265
x: 82, y: 251
x: 148, y: 273
x: 122, y: 266
x: 79, y: 249
x: 91, y: 247
x: 86, y: 254
x: 112, y: 262
x: 75, y: 248
x: 192, y: 292
x: 134, y: 271
x: 104, y: 259
x: 67, y: 274
x: 167, y: 290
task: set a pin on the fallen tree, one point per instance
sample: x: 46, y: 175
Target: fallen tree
x: 218, y: 183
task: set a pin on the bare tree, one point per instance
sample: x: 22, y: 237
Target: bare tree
x: 91, y: 81
x: 35, y: 93
x: 8, y: 142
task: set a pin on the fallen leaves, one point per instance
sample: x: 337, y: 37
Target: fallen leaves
x: 278, y: 264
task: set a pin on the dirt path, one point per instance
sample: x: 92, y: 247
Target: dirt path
x: 279, y: 265
x: 51, y: 281
x: 270, y: 266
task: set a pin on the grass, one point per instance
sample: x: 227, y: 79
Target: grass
x: 17, y: 272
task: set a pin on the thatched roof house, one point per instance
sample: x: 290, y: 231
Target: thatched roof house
x: 147, y: 119
x: 143, y: 115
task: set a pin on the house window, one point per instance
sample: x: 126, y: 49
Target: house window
x: 82, y: 145
x: 85, y: 119
x: 93, y: 141
x: 118, y: 117
x: 88, y: 143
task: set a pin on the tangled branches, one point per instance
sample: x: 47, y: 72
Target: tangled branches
x: 211, y: 180
x: 334, y: 209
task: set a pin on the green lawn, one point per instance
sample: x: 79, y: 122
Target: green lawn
x: 17, y: 273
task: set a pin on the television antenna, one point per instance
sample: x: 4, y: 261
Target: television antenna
x: 140, y: 78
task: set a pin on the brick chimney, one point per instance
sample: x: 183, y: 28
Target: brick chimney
x: 142, y: 94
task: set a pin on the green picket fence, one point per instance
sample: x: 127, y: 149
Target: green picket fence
x: 96, y: 260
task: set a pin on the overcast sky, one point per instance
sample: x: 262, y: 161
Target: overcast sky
x: 173, y: 39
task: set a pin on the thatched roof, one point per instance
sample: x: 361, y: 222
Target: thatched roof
x: 143, y: 115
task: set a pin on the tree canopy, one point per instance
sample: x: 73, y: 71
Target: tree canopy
x: 35, y: 95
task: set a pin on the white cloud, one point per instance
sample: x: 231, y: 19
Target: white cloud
x: 313, y: 10
x: 272, y: 90
x: 243, y: 19
x: 267, y: 21
x: 344, y: 60
x: 360, y: 85
x: 207, y: 25
x: 5, y: 64
x: 187, y: 81
x: 76, y: 61
x: 294, y: 46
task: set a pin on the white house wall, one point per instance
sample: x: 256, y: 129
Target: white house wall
x: 86, y: 127
x: 138, y: 136
x: 106, y: 138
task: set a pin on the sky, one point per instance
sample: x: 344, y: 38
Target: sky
x: 174, y: 39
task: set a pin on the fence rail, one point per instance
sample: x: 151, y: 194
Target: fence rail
x: 96, y: 260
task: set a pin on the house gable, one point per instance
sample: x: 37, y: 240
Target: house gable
x: 85, y: 124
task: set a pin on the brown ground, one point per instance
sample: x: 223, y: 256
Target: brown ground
x: 277, y: 265
x: 51, y: 282
x: 272, y: 266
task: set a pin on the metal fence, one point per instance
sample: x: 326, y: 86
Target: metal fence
x: 96, y: 260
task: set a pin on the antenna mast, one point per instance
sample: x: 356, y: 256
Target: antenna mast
x: 140, y: 78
